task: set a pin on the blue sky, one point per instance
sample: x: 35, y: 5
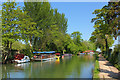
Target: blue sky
x: 79, y: 15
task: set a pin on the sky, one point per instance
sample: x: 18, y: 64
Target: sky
x: 79, y: 15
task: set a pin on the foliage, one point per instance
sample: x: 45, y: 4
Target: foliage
x: 27, y: 51
x: 87, y: 45
x: 106, y: 23
x: 50, y: 22
x: 18, y: 45
x: 76, y: 37
x: 100, y: 42
x: 115, y: 57
x: 10, y: 26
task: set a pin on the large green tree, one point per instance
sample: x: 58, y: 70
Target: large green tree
x: 10, y: 26
x: 107, y: 23
x: 50, y: 22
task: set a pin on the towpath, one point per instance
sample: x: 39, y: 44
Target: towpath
x: 107, y: 71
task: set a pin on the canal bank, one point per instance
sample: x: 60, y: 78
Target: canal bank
x: 96, y: 67
x: 107, y: 70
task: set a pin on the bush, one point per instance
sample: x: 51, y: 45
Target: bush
x: 115, y: 57
x: 117, y: 66
x: 27, y: 51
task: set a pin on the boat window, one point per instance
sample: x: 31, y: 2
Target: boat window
x: 26, y: 58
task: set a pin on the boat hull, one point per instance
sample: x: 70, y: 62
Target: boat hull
x: 46, y: 59
x: 21, y: 61
x: 24, y: 60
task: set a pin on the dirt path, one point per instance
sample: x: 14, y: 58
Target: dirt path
x: 107, y: 71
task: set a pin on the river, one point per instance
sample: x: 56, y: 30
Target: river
x: 69, y: 67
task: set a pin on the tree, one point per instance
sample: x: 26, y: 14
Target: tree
x: 27, y: 29
x: 10, y: 26
x: 42, y: 11
x: 100, y: 40
x: 76, y: 37
x: 105, y: 22
x: 18, y: 45
x: 50, y: 22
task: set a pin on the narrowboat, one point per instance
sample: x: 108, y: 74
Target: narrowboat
x: 43, y: 56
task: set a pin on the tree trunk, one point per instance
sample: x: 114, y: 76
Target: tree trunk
x: 30, y: 46
x: 10, y: 48
x: 6, y: 54
x: 4, y: 60
x: 106, y: 46
x: 34, y: 45
x: 7, y: 44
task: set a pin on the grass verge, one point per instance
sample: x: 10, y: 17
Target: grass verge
x: 96, y: 68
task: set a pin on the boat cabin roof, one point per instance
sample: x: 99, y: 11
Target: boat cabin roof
x: 45, y: 52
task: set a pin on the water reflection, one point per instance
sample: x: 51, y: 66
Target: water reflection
x: 69, y: 67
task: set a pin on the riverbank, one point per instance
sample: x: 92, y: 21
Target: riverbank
x: 96, y: 67
x: 107, y: 70
x: 96, y: 70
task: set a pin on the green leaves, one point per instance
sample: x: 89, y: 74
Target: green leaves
x: 10, y: 22
x: 50, y: 26
x: 18, y: 45
x: 106, y: 22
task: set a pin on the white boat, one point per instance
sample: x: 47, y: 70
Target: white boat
x: 23, y: 60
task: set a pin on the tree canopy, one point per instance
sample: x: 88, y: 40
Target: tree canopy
x: 106, y: 24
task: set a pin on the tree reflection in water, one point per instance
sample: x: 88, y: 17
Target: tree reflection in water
x: 69, y: 67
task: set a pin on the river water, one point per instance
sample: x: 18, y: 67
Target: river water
x: 69, y: 67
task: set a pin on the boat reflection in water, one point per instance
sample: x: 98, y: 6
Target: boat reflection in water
x: 23, y: 65
x: 69, y: 67
x: 57, y: 61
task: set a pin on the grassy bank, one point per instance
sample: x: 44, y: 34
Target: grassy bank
x: 96, y: 69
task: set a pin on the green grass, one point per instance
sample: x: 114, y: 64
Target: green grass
x: 117, y: 66
x: 96, y: 69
